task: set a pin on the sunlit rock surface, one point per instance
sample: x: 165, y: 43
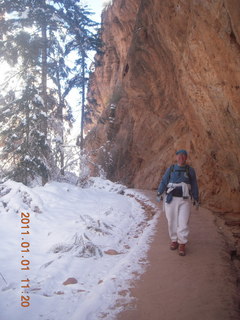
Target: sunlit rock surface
x: 169, y: 79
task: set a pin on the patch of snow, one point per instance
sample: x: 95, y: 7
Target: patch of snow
x: 27, y: 158
x: 97, y: 237
x: 43, y: 114
x: 6, y: 111
x: 38, y: 99
x: 99, y: 183
x: 57, y: 139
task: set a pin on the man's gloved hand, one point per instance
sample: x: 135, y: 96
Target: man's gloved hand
x: 196, y: 204
x: 159, y: 197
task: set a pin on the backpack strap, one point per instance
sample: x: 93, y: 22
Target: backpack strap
x: 171, y: 171
x: 187, y: 172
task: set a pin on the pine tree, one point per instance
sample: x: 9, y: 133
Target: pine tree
x: 85, y: 38
x: 24, y: 143
x: 36, y: 38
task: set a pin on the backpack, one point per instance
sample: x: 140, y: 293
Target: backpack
x: 187, y: 169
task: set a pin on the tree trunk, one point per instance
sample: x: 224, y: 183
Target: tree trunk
x: 27, y: 138
x: 43, y: 125
x: 83, y: 99
x: 60, y: 118
x: 44, y: 73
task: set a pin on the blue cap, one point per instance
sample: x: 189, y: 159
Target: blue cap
x: 182, y: 151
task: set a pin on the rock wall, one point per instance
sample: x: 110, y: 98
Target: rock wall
x: 169, y: 79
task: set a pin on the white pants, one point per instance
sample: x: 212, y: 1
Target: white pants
x: 178, y: 213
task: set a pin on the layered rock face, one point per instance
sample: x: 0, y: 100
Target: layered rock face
x: 169, y: 79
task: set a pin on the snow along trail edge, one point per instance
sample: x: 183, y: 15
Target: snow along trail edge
x: 73, y: 232
x: 118, y: 294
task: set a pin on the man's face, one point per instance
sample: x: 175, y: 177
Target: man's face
x: 181, y: 159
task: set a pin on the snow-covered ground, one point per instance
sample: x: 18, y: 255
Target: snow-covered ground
x: 96, y: 238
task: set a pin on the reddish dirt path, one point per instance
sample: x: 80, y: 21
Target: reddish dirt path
x: 199, y: 286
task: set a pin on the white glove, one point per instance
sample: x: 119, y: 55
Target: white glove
x: 196, y: 203
x: 159, y: 198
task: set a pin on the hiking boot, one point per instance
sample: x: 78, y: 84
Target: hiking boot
x: 174, y: 245
x: 182, y: 250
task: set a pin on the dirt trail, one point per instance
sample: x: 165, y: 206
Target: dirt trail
x: 199, y: 286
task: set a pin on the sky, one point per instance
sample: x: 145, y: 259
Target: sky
x: 96, y: 6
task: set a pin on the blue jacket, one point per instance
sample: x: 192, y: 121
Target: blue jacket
x: 179, y: 175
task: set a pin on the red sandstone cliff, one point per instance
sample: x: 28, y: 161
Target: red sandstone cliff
x: 169, y: 79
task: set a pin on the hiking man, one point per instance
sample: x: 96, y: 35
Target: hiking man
x: 180, y: 184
